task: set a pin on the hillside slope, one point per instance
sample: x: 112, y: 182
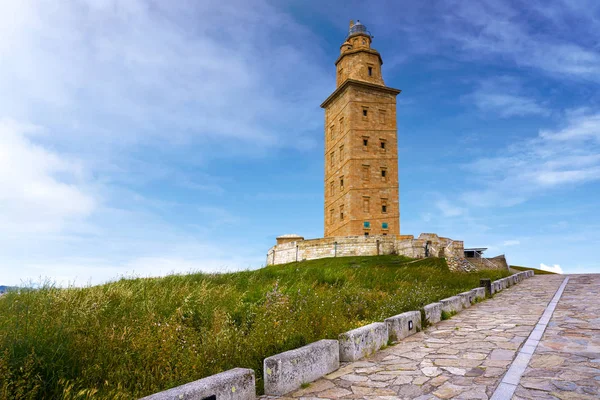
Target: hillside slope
x: 134, y: 337
x: 535, y: 270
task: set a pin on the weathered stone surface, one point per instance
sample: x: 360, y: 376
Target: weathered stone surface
x: 452, y: 304
x: 466, y: 299
x: 364, y: 341
x: 403, y: 325
x: 479, y: 293
x: 287, y: 371
x: 235, y: 384
x: 433, y: 313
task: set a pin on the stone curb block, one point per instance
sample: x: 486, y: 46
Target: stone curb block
x: 479, y: 293
x: 403, y: 325
x: 285, y: 372
x: 235, y: 384
x: 466, y: 298
x: 451, y: 304
x: 433, y: 313
x: 363, y: 341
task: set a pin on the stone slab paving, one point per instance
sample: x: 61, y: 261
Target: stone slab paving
x: 463, y: 358
x: 566, y: 363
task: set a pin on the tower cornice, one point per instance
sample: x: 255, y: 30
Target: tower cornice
x: 354, y: 82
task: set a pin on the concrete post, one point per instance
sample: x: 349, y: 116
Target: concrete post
x: 487, y: 284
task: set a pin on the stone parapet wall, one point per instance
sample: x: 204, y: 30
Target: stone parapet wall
x: 345, y: 246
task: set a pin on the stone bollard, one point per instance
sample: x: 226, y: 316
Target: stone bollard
x: 487, y: 284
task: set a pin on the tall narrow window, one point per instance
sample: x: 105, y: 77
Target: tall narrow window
x: 382, y: 116
x: 384, y: 206
x: 341, y: 126
x: 365, y: 142
x: 331, y: 215
x: 382, y: 144
x: 342, y: 183
x: 341, y: 153
x: 342, y: 212
x: 365, y: 112
x: 331, y: 159
x: 370, y: 71
x: 331, y: 132
x: 366, y: 204
x: 366, y: 172
x: 384, y: 174
x: 331, y: 189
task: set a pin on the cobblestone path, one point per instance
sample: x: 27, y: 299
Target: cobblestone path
x: 466, y: 356
x: 566, y: 363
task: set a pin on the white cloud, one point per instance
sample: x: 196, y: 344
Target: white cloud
x: 505, y: 97
x: 40, y: 191
x: 507, y: 243
x: 121, y: 73
x: 531, y: 167
x: 554, y: 268
x: 448, y: 209
x: 488, y: 28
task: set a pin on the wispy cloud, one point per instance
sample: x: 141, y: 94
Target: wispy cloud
x: 40, y: 191
x: 504, y: 97
x: 554, y: 159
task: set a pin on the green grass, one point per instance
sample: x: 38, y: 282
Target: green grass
x: 134, y: 337
x: 535, y: 270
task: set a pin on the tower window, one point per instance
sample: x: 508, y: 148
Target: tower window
x: 366, y: 225
x: 331, y: 158
x: 331, y: 132
x: 366, y: 233
x: 342, y: 153
x: 342, y: 212
x: 382, y: 116
x: 366, y: 205
x: 384, y: 208
x: 383, y: 145
x: 384, y: 225
x: 370, y: 71
x: 383, y: 174
x: 365, y: 142
x: 365, y: 112
x: 342, y: 183
x: 331, y: 189
x: 331, y: 217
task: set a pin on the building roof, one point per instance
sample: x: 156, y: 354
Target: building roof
x: 480, y: 249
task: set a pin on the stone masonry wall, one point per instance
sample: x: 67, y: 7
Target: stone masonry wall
x: 364, y: 246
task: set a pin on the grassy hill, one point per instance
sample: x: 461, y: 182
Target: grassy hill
x: 535, y: 270
x: 134, y: 337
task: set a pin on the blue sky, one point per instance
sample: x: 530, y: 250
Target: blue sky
x: 143, y: 138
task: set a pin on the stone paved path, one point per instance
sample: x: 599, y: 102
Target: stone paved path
x: 466, y: 356
x: 566, y: 363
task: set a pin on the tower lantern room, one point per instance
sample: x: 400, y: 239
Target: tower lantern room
x: 357, y: 59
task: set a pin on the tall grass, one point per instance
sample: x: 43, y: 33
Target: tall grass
x: 134, y: 337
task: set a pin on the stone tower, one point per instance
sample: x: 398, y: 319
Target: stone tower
x: 361, y: 152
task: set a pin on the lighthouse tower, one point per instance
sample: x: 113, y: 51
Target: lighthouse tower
x: 361, y: 152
